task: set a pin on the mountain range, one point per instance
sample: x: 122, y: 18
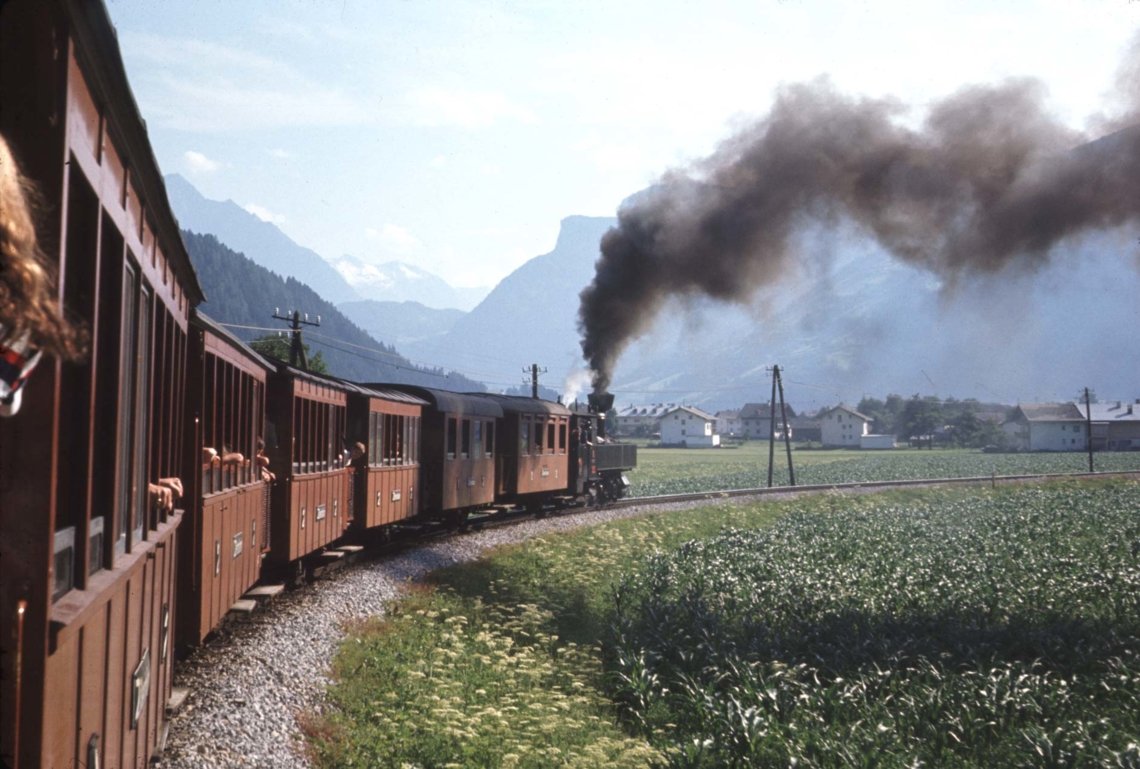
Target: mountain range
x: 245, y: 296
x: 847, y: 321
x: 342, y: 280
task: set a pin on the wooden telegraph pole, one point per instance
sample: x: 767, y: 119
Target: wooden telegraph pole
x: 534, y: 372
x: 1088, y: 426
x: 778, y: 383
x: 296, y: 348
x: 787, y: 430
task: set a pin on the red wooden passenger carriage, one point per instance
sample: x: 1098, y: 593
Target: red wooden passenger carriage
x: 226, y: 528
x: 387, y: 422
x: 307, y: 447
x: 87, y: 567
x: 532, y: 466
x: 457, y: 458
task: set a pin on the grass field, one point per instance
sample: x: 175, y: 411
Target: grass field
x: 919, y: 627
x: 673, y: 471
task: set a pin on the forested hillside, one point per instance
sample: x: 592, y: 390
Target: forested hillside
x: 240, y: 292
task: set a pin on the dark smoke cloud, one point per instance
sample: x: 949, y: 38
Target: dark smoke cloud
x: 988, y: 181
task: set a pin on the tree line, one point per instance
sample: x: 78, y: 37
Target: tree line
x: 928, y: 419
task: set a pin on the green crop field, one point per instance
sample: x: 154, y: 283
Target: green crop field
x: 973, y: 630
x: 675, y: 471
x: 956, y: 627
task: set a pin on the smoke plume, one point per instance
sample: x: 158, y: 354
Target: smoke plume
x: 989, y: 180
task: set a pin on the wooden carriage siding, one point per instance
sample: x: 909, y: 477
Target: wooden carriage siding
x: 449, y: 481
x: 86, y: 569
x: 532, y: 460
x: 227, y: 530
x: 388, y: 423
x: 308, y: 420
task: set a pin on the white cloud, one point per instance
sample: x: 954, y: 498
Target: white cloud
x: 264, y: 214
x: 197, y: 163
x: 437, y: 107
x: 192, y: 85
x: 280, y: 154
x: 439, y: 161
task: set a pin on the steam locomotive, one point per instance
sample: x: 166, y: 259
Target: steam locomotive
x: 99, y: 586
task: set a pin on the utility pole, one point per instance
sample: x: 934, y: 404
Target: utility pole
x: 534, y: 372
x: 1088, y: 426
x: 296, y: 348
x: 772, y: 426
x: 777, y: 382
x: 784, y: 419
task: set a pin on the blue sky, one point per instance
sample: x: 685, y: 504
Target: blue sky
x: 456, y: 135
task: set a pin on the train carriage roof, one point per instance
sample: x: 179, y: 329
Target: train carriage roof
x: 386, y: 392
x: 209, y: 324
x: 449, y: 402
x: 522, y: 405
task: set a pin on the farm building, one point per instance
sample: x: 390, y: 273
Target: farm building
x: 1115, y: 425
x: 756, y: 420
x: 1047, y: 427
x: 640, y: 420
x: 805, y: 428
x: 843, y: 426
x: 728, y: 422
x: 689, y: 426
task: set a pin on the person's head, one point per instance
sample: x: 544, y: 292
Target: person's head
x: 28, y: 302
x: 357, y: 449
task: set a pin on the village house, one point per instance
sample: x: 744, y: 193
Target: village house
x: 728, y: 423
x: 756, y: 421
x: 805, y: 428
x: 640, y: 421
x: 1115, y: 425
x: 843, y: 426
x: 1046, y: 427
x: 690, y: 427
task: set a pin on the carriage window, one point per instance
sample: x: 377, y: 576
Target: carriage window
x: 477, y: 440
x: 374, y: 439
x: 549, y: 437
x: 562, y: 437
x: 465, y: 444
x: 490, y: 439
x: 78, y: 385
x: 142, y: 418
x: 538, y: 434
x: 126, y: 409
x: 452, y: 438
x: 524, y: 435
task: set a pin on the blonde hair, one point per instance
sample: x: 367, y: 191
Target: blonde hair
x: 28, y: 303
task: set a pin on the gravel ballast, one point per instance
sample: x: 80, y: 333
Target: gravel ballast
x: 257, y: 675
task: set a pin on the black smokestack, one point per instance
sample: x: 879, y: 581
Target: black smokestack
x: 988, y: 180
